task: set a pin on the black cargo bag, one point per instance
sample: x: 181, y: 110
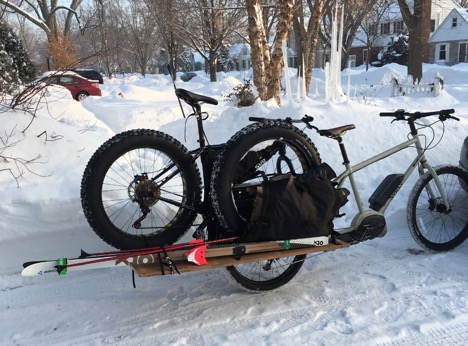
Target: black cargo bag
x: 293, y: 207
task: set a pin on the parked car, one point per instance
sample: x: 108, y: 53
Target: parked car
x: 79, y: 87
x: 89, y: 74
x: 187, y: 76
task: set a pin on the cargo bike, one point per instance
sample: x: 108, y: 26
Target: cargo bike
x: 142, y: 190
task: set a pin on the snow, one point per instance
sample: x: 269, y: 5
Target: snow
x: 387, y: 291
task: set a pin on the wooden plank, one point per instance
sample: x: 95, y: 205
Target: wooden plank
x: 154, y: 269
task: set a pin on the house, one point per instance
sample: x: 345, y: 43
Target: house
x: 369, y: 42
x: 448, y: 45
x: 240, y: 55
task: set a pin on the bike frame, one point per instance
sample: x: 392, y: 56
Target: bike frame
x: 420, y: 162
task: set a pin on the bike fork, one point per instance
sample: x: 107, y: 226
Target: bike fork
x: 441, y: 190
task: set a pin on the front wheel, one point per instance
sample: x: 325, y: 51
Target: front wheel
x: 431, y: 224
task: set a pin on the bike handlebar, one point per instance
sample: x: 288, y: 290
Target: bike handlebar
x: 401, y: 114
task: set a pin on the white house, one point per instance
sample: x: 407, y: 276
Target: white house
x: 449, y: 43
x: 440, y: 10
x: 391, y: 25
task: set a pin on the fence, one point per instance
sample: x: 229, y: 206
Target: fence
x: 409, y: 88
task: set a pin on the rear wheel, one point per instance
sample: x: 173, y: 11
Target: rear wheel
x: 133, y: 194
x: 265, y: 275
x: 259, y: 151
x: 431, y: 224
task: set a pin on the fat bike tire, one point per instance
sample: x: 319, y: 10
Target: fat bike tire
x: 133, y: 174
x: 432, y: 226
x: 302, y: 156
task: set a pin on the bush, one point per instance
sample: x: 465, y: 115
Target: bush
x: 242, y: 94
x: 396, y: 51
x: 15, y: 65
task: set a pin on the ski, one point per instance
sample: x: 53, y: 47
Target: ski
x: 109, y: 259
x: 168, y: 257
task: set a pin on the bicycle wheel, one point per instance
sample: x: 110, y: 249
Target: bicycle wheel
x: 265, y: 275
x: 284, y: 149
x: 132, y: 193
x: 430, y: 223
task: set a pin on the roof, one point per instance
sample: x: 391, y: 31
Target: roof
x: 445, y: 32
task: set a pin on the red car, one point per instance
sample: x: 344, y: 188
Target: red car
x: 79, y: 87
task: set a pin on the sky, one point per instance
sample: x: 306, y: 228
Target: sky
x: 387, y: 291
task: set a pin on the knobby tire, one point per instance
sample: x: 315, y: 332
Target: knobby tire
x: 431, y: 225
x: 227, y: 195
x: 125, y: 175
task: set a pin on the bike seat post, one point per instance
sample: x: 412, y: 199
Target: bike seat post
x: 344, y: 154
x: 347, y: 164
x: 201, y: 133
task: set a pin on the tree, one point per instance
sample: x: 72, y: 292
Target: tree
x: 212, y: 22
x: 42, y: 13
x: 354, y: 13
x: 283, y: 29
x: 417, y: 20
x: 15, y: 65
x: 45, y: 15
x: 370, y: 25
x: 140, y: 32
x: 169, y: 21
x: 259, y: 52
x: 307, y: 36
x: 268, y: 67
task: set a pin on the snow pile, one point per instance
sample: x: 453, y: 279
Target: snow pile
x: 386, y: 291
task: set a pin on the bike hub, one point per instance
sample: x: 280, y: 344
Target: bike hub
x: 146, y: 191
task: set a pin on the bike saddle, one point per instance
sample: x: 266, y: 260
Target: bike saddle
x: 193, y: 99
x: 336, y: 132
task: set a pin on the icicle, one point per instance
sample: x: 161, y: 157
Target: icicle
x: 349, y: 81
x: 286, y: 71
x: 298, y: 94
x: 304, y: 91
x: 333, y: 88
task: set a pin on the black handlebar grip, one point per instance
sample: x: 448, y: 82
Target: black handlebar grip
x: 386, y: 114
x: 256, y: 119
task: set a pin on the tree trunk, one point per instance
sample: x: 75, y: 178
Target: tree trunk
x: 276, y: 63
x: 213, y: 66
x: 414, y: 56
x: 258, y: 46
x: 415, y: 22
x: 315, y: 28
x: 301, y: 37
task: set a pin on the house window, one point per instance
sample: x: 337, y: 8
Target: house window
x: 385, y: 28
x: 454, y: 22
x: 432, y: 25
x: 442, y: 52
x: 398, y: 27
x: 352, y: 61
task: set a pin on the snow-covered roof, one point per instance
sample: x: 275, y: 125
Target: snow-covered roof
x: 447, y: 32
x: 239, y: 48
